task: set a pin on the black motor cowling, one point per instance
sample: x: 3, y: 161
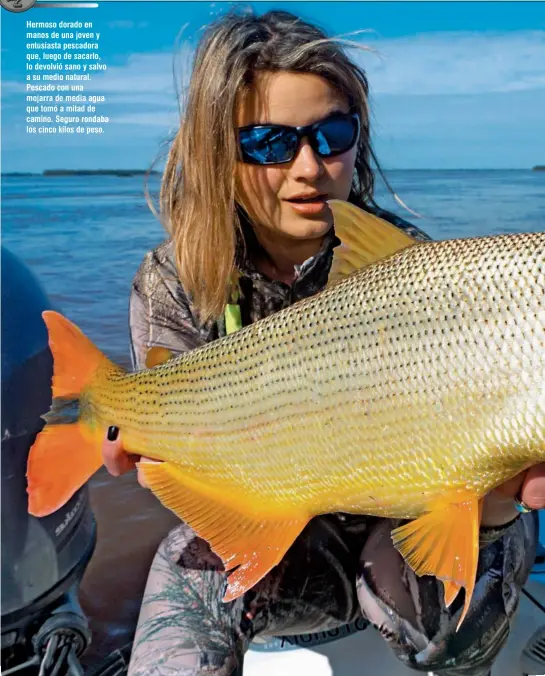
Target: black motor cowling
x: 43, y: 560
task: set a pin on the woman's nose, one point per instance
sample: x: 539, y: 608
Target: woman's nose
x: 306, y: 163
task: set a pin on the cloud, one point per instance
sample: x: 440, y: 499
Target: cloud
x: 164, y: 120
x: 457, y: 99
x: 13, y: 87
x: 497, y: 129
x: 147, y: 76
x: 455, y: 63
x: 127, y: 24
x: 437, y: 64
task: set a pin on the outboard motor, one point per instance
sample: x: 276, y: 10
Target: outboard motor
x: 43, y: 560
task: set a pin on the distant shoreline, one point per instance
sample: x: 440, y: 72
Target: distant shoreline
x: 84, y: 172
x: 143, y: 172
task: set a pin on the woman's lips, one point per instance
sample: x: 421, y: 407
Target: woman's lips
x: 309, y: 207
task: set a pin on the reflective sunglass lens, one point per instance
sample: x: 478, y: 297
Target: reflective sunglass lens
x: 334, y: 136
x: 268, y: 146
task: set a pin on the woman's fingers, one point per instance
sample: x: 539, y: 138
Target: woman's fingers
x: 528, y: 486
x: 532, y: 492
x: 116, y: 459
x: 511, y: 488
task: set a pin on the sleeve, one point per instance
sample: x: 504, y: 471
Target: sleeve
x: 410, y: 613
x: 184, y: 627
x: 159, y: 311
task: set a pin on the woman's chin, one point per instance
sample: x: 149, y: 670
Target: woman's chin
x: 304, y: 229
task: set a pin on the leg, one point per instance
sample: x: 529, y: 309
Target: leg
x: 410, y: 613
x: 185, y: 628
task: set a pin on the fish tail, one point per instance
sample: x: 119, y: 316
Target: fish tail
x: 65, y: 456
x: 76, y: 359
x: 61, y: 460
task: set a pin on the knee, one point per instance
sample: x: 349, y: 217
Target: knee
x: 183, y: 549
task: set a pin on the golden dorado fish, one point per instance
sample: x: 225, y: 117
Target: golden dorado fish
x: 409, y: 388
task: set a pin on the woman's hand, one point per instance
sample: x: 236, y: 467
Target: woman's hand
x: 117, y: 460
x: 529, y: 487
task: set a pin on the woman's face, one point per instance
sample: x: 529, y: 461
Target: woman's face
x: 271, y: 195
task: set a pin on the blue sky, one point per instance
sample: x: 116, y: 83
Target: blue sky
x: 455, y: 84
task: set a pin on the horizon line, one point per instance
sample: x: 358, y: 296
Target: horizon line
x: 50, y: 172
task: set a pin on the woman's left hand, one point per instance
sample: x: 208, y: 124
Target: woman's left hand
x: 529, y: 487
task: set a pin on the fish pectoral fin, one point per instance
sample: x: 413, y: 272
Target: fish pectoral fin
x: 253, y: 541
x: 365, y: 239
x: 445, y: 542
x: 157, y: 355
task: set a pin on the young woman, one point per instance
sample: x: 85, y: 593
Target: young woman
x: 276, y: 123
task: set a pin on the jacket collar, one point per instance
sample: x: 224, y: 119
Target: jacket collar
x: 309, y: 273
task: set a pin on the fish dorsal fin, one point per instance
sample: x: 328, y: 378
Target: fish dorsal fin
x: 247, y: 538
x: 365, y: 239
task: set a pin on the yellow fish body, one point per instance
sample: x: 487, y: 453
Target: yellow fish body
x: 409, y: 388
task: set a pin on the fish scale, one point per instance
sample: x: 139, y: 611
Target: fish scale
x: 409, y: 389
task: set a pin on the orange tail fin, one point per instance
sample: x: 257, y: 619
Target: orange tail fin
x: 76, y: 359
x: 64, y: 457
x: 61, y: 460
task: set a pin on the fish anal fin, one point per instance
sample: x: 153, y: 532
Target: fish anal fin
x: 451, y: 591
x: 61, y: 460
x: 444, y: 542
x: 253, y: 540
x: 365, y: 239
x: 157, y: 355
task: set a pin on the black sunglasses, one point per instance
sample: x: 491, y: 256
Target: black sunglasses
x: 278, y: 143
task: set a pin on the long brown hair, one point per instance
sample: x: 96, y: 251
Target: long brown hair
x: 197, y: 198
